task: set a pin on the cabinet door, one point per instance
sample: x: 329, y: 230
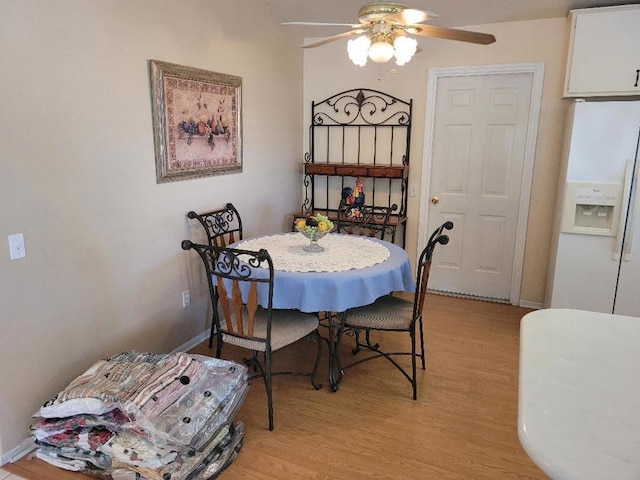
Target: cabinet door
x: 604, y: 52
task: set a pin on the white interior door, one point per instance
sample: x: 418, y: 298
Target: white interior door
x: 479, y: 147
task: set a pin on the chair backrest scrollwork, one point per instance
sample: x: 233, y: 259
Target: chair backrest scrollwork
x: 222, y: 227
x: 234, y: 277
x: 369, y: 220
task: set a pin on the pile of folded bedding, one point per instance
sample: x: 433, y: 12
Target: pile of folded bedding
x: 146, y: 416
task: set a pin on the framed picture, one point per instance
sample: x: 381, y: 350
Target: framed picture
x: 197, y: 124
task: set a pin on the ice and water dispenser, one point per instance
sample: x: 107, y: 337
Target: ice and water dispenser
x: 591, y: 208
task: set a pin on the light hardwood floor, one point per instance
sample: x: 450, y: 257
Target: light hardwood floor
x: 463, y: 425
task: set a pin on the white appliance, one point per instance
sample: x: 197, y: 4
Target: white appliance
x: 595, y: 260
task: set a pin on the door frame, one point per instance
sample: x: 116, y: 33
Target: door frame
x: 434, y: 75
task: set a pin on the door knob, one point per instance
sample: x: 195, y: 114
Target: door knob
x: 435, y: 199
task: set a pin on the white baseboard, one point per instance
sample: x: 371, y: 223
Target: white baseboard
x: 28, y: 445
x: 536, y: 305
x: 193, y: 342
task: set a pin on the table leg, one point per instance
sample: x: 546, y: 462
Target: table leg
x: 335, y: 323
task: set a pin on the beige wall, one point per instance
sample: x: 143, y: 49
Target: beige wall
x: 327, y: 71
x: 104, y: 270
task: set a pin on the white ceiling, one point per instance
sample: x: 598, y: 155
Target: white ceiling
x: 453, y: 13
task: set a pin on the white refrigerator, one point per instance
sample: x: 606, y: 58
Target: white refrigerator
x: 595, y: 257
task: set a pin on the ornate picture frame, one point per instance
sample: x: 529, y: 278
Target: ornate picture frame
x: 197, y: 122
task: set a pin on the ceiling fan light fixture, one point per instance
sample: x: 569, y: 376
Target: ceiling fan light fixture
x: 381, y: 51
x: 411, y: 15
x: 383, y: 29
x: 405, y: 48
x: 358, y: 50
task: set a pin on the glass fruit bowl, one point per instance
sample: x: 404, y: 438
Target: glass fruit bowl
x: 314, y: 228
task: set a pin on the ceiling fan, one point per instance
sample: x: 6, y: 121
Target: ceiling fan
x: 385, y: 31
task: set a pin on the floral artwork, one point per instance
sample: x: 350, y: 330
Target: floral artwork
x: 196, y: 121
x: 200, y: 125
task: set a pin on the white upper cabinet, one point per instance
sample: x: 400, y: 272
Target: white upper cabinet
x: 604, y: 52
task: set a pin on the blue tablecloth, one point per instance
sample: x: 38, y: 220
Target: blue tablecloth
x: 338, y: 291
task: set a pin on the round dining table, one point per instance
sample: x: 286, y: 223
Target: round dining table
x: 351, y: 271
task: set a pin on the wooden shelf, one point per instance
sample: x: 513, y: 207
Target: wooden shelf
x: 357, y: 170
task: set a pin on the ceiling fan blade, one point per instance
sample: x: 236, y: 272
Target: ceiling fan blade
x: 334, y: 38
x: 449, y: 34
x: 319, y: 24
x: 411, y: 16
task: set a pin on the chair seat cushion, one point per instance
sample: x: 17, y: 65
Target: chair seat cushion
x: 287, y: 326
x: 386, y: 313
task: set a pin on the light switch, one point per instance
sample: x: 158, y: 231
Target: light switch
x: 16, y: 246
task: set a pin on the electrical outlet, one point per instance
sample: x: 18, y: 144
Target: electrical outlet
x: 16, y: 246
x: 186, y: 299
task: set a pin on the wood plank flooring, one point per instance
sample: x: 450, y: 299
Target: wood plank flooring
x: 463, y: 425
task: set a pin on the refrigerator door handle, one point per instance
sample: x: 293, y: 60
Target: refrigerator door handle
x: 626, y: 192
x: 631, y: 223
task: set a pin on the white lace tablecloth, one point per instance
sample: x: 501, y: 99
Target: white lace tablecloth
x: 341, y: 252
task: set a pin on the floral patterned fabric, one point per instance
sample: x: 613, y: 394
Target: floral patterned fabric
x: 146, y: 416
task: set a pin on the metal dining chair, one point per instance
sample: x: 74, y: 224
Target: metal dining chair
x: 395, y: 314
x: 240, y: 281
x: 369, y: 220
x: 366, y: 220
x: 222, y: 226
